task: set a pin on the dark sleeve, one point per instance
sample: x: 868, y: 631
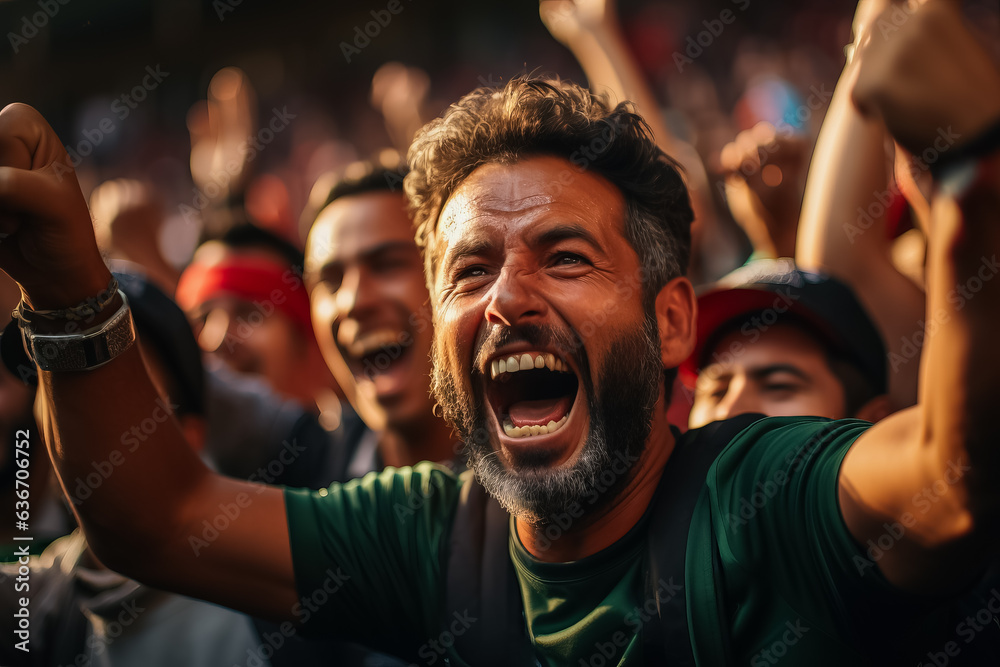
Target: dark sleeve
x: 249, y: 427
x: 791, y: 567
x: 368, y: 556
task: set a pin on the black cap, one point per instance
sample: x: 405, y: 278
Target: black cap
x: 15, y: 357
x: 164, y: 327
x: 774, y: 289
x: 161, y: 324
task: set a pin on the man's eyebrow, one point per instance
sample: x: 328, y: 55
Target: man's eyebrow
x: 566, y: 232
x: 367, y: 255
x: 469, y: 246
x: 770, y: 369
x: 387, y: 247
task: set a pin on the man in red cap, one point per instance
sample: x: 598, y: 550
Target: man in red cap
x: 778, y: 341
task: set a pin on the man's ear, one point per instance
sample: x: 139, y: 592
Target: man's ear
x: 875, y: 409
x: 676, y: 314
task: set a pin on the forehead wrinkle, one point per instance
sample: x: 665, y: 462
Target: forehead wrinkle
x: 491, y: 203
x: 488, y: 206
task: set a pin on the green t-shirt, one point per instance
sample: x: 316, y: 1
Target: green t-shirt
x: 370, y: 563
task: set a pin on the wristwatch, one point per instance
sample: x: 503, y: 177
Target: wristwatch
x: 81, y: 351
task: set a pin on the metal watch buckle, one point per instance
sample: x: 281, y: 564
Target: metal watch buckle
x: 81, y: 351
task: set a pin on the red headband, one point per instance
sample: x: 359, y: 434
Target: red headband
x: 251, y: 279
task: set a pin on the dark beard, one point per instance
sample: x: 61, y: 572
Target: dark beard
x: 629, y: 382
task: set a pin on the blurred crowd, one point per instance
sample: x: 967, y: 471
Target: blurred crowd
x: 266, y: 249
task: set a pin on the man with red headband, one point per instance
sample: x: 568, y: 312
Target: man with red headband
x: 250, y: 310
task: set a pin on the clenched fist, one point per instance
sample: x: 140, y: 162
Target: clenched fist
x: 46, y: 237
x: 925, y: 75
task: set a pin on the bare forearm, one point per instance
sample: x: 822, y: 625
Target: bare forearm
x: 140, y: 492
x: 120, y: 456
x: 932, y: 468
x: 962, y: 361
x: 842, y: 232
x: 611, y: 68
x: 839, y: 228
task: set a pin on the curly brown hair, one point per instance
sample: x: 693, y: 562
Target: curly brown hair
x: 540, y: 115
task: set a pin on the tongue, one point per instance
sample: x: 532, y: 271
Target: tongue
x: 539, y: 413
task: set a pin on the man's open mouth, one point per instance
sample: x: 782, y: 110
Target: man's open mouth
x: 531, y: 393
x: 381, y: 357
x: 376, y: 348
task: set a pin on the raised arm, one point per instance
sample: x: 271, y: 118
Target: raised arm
x: 148, y: 516
x: 842, y: 224
x: 921, y: 485
x: 591, y: 31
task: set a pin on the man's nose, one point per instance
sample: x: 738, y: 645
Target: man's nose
x: 514, y: 298
x: 355, y: 294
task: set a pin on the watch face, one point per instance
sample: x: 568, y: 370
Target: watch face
x: 15, y: 357
x: 88, y: 349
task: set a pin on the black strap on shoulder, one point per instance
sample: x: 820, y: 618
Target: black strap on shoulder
x: 482, y: 584
x: 666, y: 638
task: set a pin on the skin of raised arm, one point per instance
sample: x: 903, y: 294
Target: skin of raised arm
x: 838, y: 234
x: 924, y: 478
x: 591, y: 31
x: 145, y: 512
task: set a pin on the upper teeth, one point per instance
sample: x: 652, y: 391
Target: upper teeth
x: 374, y: 341
x: 527, y: 361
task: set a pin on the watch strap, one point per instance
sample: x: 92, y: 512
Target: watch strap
x: 81, y: 351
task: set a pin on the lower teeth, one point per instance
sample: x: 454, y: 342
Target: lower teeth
x: 526, y: 431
